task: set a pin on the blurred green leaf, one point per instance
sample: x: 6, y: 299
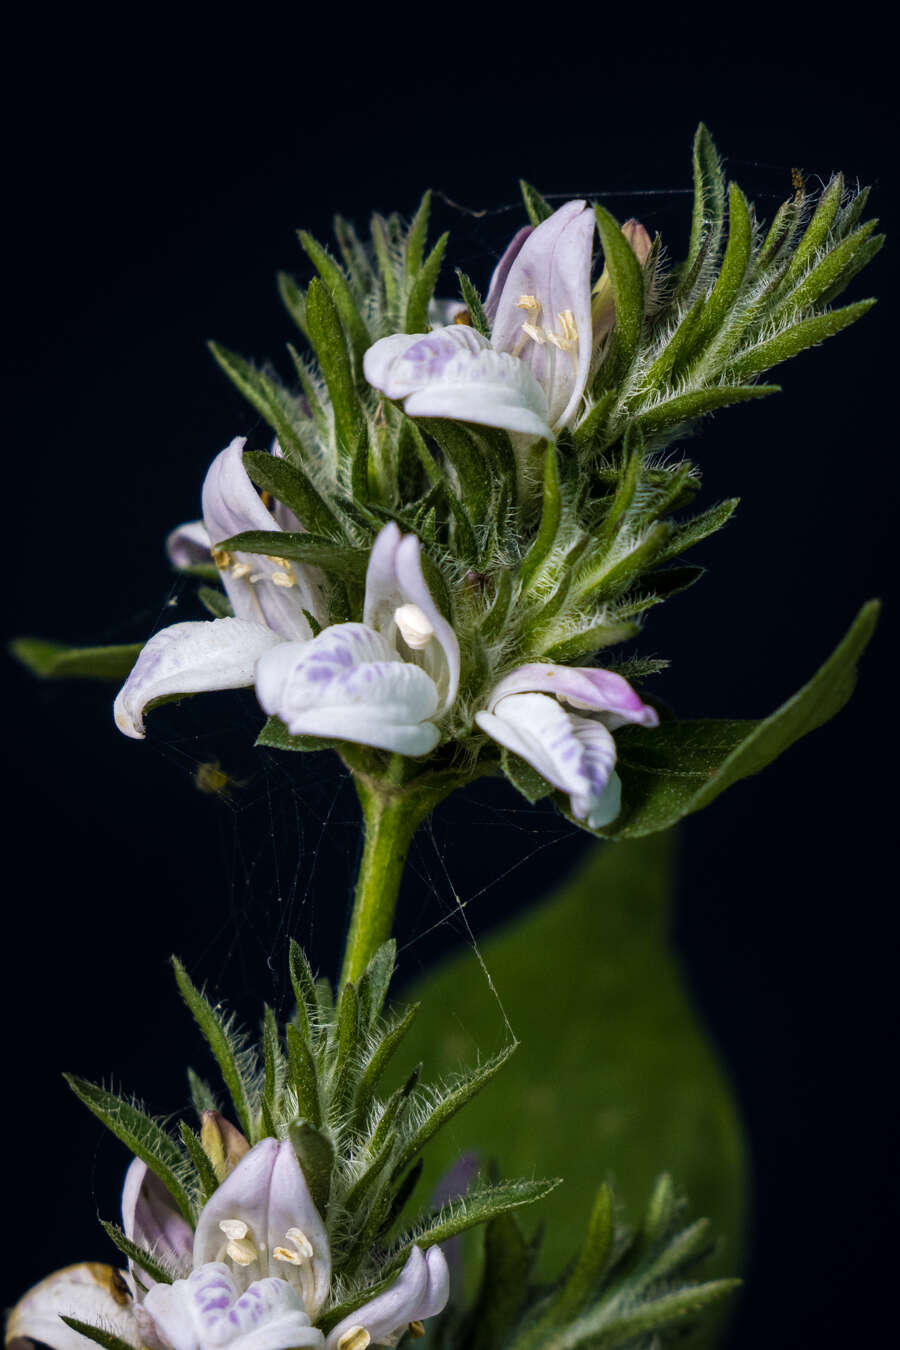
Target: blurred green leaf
x: 613, y: 1077
x: 60, y: 661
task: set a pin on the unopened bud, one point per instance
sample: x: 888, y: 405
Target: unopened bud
x: 222, y: 1142
x: 639, y: 239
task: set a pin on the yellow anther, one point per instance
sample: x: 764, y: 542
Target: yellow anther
x: 279, y: 562
x: 222, y: 558
x: 282, y: 1254
x: 301, y: 1242
x: 283, y: 579
x: 536, y: 334
x: 568, y: 325
x: 354, y: 1338
x: 241, y: 570
x: 242, y: 1253
x: 529, y: 302
x: 235, y: 1229
x: 416, y: 1329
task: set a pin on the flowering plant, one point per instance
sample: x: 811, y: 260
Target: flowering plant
x: 466, y: 505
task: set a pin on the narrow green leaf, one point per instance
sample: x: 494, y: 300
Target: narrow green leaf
x: 538, y: 209
x: 466, y: 543
x: 473, y: 304
x: 678, y: 408
x: 677, y: 768
x: 311, y: 393
x: 417, y: 237
x: 679, y: 348
x: 657, y: 586
x: 504, y: 1285
x: 138, y: 1132
x: 293, y: 487
x: 294, y: 300
x: 347, y: 1048
x: 379, y: 1060
x: 104, y: 1338
x: 275, y: 736
x: 304, y: 985
x: 270, y: 400
x: 804, y: 334
x: 315, y: 1153
x: 271, y: 1056
x: 201, y: 1093
x: 622, y: 499
x: 446, y: 1108
x: 627, y: 285
x: 495, y: 619
x: 660, y: 1210
x: 326, y: 334
x: 359, y: 269
x: 691, y: 532
x: 221, y: 1043
x: 304, y: 1080
x: 730, y: 280
x: 476, y: 1206
x: 385, y: 261
x: 422, y: 289
x: 828, y: 273
x: 332, y: 275
x: 215, y: 602
x: 551, y: 515
x: 709, y: 195
x: 143, y: 1259
x: 585, y: 642
x: 607, y: 1329
x: 60, y: 661
x: 861, y: 258
x: 463, y: 453
x: 302, y: 548
x: 374, y: 985
x: 202, y: 1165
x: 603, y: 580
x: 592, y: 1259
x: 817, y: 231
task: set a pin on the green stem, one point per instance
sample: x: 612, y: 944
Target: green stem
x: 391, y: 818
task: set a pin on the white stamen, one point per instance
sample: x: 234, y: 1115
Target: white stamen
x: 242, y: 1253
x: 301, y: 1242
x: 415, y: 627
x: 354, y: 1338
x: 283, y: 579
x: 282, y: 1254
x: 241, y: 570
x: 234, y: 1229
x: 536, y: 334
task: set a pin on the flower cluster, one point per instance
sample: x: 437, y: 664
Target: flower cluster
x: 255, y: 1275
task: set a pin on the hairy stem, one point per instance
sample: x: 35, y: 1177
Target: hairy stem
x: 390, y: 819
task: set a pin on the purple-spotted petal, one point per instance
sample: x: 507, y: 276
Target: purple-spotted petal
x: 548, y: 288
x: 394, y: 579
x: 190, y: 658
x: 188, y: 544
x: 420, y: 1290
x: 151, y: 1219
x: 575, y: 754
x: 501, y: 271
x: 588, y: 687
x: 350, y: 684
x: 488, y: 388
x: 206, y: 1311
x: 90, y: 1292
x: 270, y: 590
x: 404, y: 362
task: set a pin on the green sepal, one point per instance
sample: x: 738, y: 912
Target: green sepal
x: 679, y: 348
x: 215, y: 602
x: 275, y: 736
x: 379, y: 1060
x: 594, y: 424
x: 311, y: 394
x: 578, y: 646
x: 461, y: 450
x: 861, y: 258
x: 315, y: 1153
x: 604, y: 584
x: 332, y: 275
x: 532, y: 785
x: 627, y: 286
x: 202, y: 1166
x: 348, y: 1035
x: 140, y: 1133
x: 422, y: 289
x: 295, y: 489
x: 508, y: 1260
x: 96, y: 1334
x: 60, y: 661
x: 329, y: 342
x: 770, y: 352
x: 677, y: 768
x: 829, y: 272
x: 496, y: 616
x: 465, y: 1211
x: 538, y: 209
x: 730, y: 280
x: 466, y: 544
x: 143, y: 1259
x: 709, y: 196
x: 446, y: 1108
x: 551, y: 515
x: 473, y: 303
x: 816, y: 233
x: 303, y: 1077
x: 221, y: 1042
x: 678, y: 408
x: 385, y: 262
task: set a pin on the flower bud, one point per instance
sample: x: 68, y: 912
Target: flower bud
x: 222, y: 1142
x: 603, y: 305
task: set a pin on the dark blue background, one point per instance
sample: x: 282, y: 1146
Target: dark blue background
x: 155, y: 170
